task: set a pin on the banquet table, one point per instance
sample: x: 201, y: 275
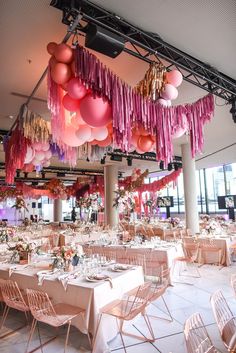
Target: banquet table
x: 91, y: 296
x: 221, y: 242
x: 164, y: 253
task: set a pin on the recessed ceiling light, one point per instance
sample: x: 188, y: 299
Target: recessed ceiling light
x: 10, y: 116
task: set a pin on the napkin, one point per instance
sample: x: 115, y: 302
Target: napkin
x: 64, y: 278
x: 42, y: 277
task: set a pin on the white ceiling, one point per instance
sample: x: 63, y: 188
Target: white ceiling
x: 204, y: 29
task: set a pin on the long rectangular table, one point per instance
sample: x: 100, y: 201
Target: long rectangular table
x: 91, y: 296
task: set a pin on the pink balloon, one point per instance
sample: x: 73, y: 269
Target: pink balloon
x: 45, y: 146
x: 96, y: 112
x: 69, y: 137
x: 174, y: 77
x: 162, y: 101
x: 76, y: 89
x: 84, y: 133
x: 37, y: 146
x: 76, y: 120
x: 145, y: 143
x: 178, y: 133
x: 30, y: 153
x: 100, y: 133
x: 139, y: 150
x: 40, y: 155
x: 170, y: 92
x: 61, y: 73
x: 168, y: 103
x: 48, y: 154
x: 70, y: 104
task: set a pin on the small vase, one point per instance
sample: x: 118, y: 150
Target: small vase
x: 68, y: 266
x: 25, y: 257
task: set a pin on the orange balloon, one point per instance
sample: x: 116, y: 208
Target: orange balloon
x: 145, y: 143
x: 94, y: 142
x: 110, y: 128
x: 142, y: 131
x: 105, y: 142
x: 51, y: 47
x: 61, y: 73
x: 153, y: 138
x: 63, y: 53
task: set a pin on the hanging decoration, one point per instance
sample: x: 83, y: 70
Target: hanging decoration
x: 34, y: 126
x: 154, y: 81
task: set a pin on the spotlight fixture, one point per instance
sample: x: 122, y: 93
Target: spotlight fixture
x: 233, y: 110
x: 176, y: 166
x: 161, y: 165
x: 18, y: 174
x: 87, y: 159
x: 43, y: 174
x: 25, y: 175
x: 129, y: 161
x: 103, y: 160
x: 169, y: 167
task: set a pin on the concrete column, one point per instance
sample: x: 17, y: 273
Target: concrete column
x: 110, y: 184
x: 57, y: 210
x: 190, y: 189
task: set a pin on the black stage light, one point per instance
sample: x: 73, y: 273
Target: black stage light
x: 103, y: 160
x: 176, y: 166
x: 43, y: 175
x: 129, y: 161
x: 169, y: 167
x: 233, y: 110
x: 18, y: 174
x: 116, y: 158
x: 161, y: 165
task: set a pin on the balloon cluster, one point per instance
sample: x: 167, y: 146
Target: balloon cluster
x: 38, y: 154
x: 90, y: 115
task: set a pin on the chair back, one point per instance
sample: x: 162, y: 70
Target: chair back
x: 191, y: 250
x: 41, y: 307
x: 2, y: 282
x: 196, y: 336
x: 136, y: 304
x: 13, y: 297
x: 224, y: 318
x: 138, y: 260
x: 160, y: 284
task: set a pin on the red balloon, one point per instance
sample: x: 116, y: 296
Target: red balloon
x: 134, y: 139
x: 70, y: 104
x: 142, y: 131
x: 105, y: 142
x: 63, y: 53
x: 110, y: 128
x: 51, y: 47
x: 61, y: 73
x: 64, y: 86
x: 76, y: 89
x: 145, y: 143
x: 94, y: 142
x: 52, y: 62
x: 28, y: 168
x: 95, y: 111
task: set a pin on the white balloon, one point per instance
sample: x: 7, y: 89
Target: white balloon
x: 48, y: 154
x: 40, y: 155
x: 30, y: 153
x: 100, y: 133
x: 84, y: 133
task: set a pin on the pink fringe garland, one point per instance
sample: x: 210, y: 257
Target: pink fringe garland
x: 130, y: 109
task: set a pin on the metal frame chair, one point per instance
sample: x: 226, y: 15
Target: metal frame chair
x: 133, y: 303
x: 13, y: 298
x: 225, y: 320
x: 196, y: 336
x: 56, y: 315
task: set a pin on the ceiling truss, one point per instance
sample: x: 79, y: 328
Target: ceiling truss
x: 146, y: 44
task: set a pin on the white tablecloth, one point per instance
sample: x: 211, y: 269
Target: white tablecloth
x: 87, y: 295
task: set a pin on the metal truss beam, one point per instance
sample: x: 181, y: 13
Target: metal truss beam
x: 144, y: 44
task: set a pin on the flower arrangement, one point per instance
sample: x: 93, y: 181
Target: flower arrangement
x: 174, y: 221
x: 204, y: 217
x: 211, y: 227
x: 64, y: 256
x: 23, y: 246
x: 124, y: 200
x: 3, y: 236
x: 20, y: 203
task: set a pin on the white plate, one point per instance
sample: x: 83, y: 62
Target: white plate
x: 120, y: 268
x: 95, y: 279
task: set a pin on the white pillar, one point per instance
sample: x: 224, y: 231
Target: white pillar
x: 190, y: 189
x: 110, y: 184
x: 57, y: 210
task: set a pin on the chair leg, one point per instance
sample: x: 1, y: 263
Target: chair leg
x: 149, y: 326
x: 167, y: 309
x: 96, y: 331
x: 34, y: 323
x: 4, y: 316
x: 67, y: 336
x: 122, y: 339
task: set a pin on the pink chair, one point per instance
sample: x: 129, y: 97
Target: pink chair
x: 196, y: 336
x: 14, y: 298
x: 225, y: 320
x: 132, y: 304
x: 55, y: 315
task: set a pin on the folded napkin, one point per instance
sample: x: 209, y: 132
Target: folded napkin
x: 14, y: 268
x: 65, y: 277
x: 43, y: 276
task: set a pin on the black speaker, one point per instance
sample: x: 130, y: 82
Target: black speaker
x: 103, y: 41
x: 33, y: 204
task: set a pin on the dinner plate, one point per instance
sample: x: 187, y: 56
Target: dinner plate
x: 120, y: 268
x: 95, y: 278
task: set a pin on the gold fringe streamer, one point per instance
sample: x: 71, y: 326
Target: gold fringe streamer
x: 153, y: 82
x: 34, y: 126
